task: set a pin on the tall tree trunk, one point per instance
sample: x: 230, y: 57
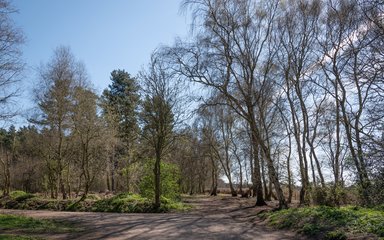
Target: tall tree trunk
x: 258, y: 187
x: 157, y: 180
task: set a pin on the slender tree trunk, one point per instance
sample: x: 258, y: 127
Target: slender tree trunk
x: 336, y: 162
x: 313, y: 170
x: 289, y: 169
x: 214, y: 178
x: 266, y: 192
x: 108, y: 182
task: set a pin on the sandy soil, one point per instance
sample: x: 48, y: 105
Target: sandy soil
x: 211, y: 218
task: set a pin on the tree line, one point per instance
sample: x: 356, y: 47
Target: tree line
x: 292, y: 97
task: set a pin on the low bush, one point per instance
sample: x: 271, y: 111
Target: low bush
x: 124, y: 202
x: 20, y: 196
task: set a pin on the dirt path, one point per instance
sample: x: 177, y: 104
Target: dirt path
x: 211, y: 218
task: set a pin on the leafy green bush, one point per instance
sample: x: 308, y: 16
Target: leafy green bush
x: 170, y: 176
x: 15, y: 194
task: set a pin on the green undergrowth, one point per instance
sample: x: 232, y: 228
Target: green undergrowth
x: 323, y: 222
x: 134, y: 203
x: 122, y: 203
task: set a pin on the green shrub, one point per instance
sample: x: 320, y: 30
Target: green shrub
x: 311, y: 229
x: 20, y: 196
x: 320, y: 196
x: 15, y: 194
x: 170, y: 176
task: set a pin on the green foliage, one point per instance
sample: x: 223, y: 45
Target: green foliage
x: 330, y: 222
x: 120, y: 102
x: 170, y: 175
x: 15, y: 194
x: 123, y: 203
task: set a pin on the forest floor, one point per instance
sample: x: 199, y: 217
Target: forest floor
x: 221, y: 217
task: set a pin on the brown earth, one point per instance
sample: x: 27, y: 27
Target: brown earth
x: 221, y: 217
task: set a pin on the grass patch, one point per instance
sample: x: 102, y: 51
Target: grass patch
x: 329, y: 222
x: 27, y: 224
x: 17, y: 237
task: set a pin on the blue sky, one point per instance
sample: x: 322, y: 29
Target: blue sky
x: 105, y: 35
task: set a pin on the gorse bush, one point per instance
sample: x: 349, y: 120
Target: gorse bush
x: 330, y: 196
x: 170, y: 176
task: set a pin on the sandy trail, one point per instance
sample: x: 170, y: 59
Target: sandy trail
x: 212, y: 218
